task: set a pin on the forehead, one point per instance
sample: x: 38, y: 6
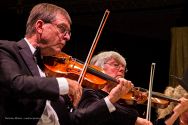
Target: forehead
x: 61, y: 19
x: 111, y: 59
x: 114, y: 60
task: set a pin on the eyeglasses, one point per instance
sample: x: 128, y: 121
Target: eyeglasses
x: 117, y: 66
x: 62, y: 29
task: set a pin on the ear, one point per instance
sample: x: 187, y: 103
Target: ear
x: 38, y: 25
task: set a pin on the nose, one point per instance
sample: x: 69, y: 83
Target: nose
x: 67, y: 36
x: 122, y: 69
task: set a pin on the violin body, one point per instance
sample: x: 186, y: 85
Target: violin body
x: 63, y: 65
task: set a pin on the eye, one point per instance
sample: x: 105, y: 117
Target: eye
x: 62, y: 28
x: 116, y: 65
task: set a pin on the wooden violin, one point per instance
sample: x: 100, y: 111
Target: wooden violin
x: 140, y: 96
x: 63, y: 65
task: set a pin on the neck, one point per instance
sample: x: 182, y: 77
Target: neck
x: 33, y: 41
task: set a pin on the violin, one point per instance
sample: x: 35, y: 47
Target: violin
x: 140, y: 96
x: 63, y: 65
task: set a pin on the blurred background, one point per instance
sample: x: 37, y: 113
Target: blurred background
x: 140, y: 30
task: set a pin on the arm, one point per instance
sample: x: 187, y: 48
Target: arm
x: 19, y: 74
x: 92, y: 98
x: 178, y: 110
x: 16, y: 76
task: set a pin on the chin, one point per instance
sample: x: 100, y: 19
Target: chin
x: 58, y: 50
x: 52, y: 53
x: 117, y: 77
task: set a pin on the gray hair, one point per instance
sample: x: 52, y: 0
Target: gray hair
x: 101, y: 58
x: 45, y: 12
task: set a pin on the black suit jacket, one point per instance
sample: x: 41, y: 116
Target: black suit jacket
x: 121, y: 116
x: 23, y: 93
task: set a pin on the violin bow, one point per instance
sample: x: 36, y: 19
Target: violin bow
x: 105, y: 16
x: 148, y: 113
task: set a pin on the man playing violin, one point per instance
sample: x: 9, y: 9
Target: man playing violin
x: 27, y: 96
x: 114, y: 65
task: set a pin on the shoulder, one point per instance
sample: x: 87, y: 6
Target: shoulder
x: 91, y: 97
x: 8, y: 47
x: 88, y: 91
x: 6, y: 44
x: 98, y: 92
x: 91, y: 94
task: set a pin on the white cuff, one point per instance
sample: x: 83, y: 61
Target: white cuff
x: 63, y: 86
x: 110, y: 106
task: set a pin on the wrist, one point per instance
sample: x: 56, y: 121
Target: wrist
x: 172, y: 119
x: 112, y: 99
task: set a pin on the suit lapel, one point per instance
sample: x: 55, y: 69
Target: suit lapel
x: 27, y: 56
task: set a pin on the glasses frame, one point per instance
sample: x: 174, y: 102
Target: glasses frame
x: 117, y: 66
x: 62, y: 29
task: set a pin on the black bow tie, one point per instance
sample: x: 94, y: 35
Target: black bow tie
x: 38, y: 59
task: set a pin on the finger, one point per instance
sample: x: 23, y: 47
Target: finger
x: 77, y: 96
x: 129, y: 85
x: 76, y: 100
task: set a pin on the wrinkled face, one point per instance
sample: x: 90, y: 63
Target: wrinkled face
x: 114, y: 69
x: 54, y: 35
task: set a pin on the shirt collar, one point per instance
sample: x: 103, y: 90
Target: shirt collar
x: 33, y: 49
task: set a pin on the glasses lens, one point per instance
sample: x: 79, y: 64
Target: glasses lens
x: 63, y: 29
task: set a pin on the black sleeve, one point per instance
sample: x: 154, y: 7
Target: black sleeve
x: 122, y: 115
x: 90, y: 112
x: 91, y: 115
x: 16, y: 77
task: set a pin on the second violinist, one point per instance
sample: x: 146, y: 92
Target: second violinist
x: 113, y: 65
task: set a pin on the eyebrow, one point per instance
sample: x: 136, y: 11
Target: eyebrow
x: 63, y: 24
